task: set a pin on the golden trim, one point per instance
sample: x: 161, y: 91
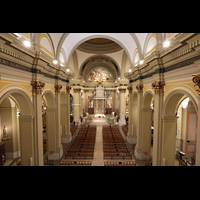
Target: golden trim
x: 169, y: 35
x: 153, y: 48
x: 61, y: 52
x: 43, y: 35
x: 26, y: 35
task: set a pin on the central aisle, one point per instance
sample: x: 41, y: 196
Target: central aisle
x: 98, y: 149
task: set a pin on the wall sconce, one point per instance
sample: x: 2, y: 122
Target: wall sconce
x: 5, y: 134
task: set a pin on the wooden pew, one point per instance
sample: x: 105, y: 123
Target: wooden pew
x: 75, y: 163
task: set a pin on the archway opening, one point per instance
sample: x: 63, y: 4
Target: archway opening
x: 179, y: 126
x: 16, y: 115
x: 148, y: 125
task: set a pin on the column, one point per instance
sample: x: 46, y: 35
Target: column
x: 196, y: 80
x: 77, y: 104
x: 37, y: 87
x: 28, y: 157
x: 67, y: 137
x: 146, y: 133
x: 51, y: 130
x: 131, y: 137
x: 122, y: 111
x: 86, y: 100
x: 169, y: 140
x: 158, y: 87
x: 138, y: 148
x: 113, y: 100
x: 59, y: 148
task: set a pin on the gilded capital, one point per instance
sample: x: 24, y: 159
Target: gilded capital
x: 158, y: 87
x: 122, y: 90
x: 37, y: 87
x: 68, y: 89
x: 196, y: 81
x: 77, y: 90
x: 139, y: 88
x: 57, y: 88
x: 129, y: 89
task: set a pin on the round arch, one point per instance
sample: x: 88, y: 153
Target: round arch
x: 147, y: 99
x: 22, y: 98
x: 72, y: 42
x: 48, y: 94
x: 174, y: 98
x: 115, y: 67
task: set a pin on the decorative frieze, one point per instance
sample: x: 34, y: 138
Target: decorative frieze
x: 57, y: 88
x: 139, y: 88
x: 37, y: 87
x: 158, y: 87
x: 196, y: 81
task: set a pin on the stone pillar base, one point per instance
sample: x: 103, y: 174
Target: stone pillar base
x: 56, y: 155
x: 139, y: 154
x: 131, y: 139
x: 122, y: 122
x: 67, y: 138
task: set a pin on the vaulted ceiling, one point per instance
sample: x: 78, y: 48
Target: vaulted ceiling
x: 72, y: 50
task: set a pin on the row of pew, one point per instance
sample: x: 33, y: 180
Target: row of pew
x: 114, y: 146
x: 73, y: 129
x: 125, y: 129
x: 82, y: 146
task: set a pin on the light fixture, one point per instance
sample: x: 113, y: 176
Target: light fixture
x: 141, y: 62
x: 67, y: 70
x: 27, y: 43
x: 166, y: 43
x: 17, y: 34
x: 18, y: 114
x: 55, y: 62
x: 130, y: 70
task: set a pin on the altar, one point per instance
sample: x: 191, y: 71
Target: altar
x: 99, y: 101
